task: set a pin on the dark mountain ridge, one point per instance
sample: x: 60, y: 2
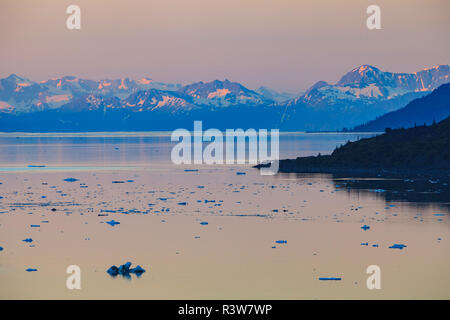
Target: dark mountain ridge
x: 420, y: 149
x: 425, y: 110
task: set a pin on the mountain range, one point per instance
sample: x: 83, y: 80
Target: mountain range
x: 426, y: 110
x: 74, y: 104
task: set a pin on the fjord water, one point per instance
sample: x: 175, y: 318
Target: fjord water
x: 210, y: 233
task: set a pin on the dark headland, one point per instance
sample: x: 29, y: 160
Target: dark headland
x: 417, y: 150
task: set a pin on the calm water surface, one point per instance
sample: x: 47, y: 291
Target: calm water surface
x: 162, y: 210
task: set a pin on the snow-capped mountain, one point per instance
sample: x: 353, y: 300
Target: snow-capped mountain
x: 139, y: 96
x: 367, y: 83
x: 21, y: 95
x: 359, y: 96
x: 222, y: 94
x: 153, y: 99
x: 426, y: 79
x: 107, y: 86
x: 139, y: 101
x: 17, y: 93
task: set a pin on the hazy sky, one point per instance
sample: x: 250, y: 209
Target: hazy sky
x: 283, y: 44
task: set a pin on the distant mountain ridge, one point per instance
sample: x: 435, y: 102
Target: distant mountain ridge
x: 360, y: 95
x: 424, y: 80
x: 426, y: 110
x: 20, y: 95
x: 222, y: 93
x: 276, y: 96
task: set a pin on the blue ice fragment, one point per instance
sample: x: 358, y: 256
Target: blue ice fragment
x: 34, y: 226
x: 240, y: 173
x: 182, y: 203
x: 138, y: 269
x: 1, y: 248
x: 125, y: 268
x: 70, y: 179
x: 27, y: 240
x: 203, y: 223
x: 190, y: 170
x: 397, y: 246
x: 365, y: 227
x: 112, y: 222
x: 113, y: 271
x: 364, y: 243
x: 30, y: 270
x: 329, y: 278
x: 281, y: 241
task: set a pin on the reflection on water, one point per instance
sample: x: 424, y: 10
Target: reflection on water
x: 417, y: 191
x: 134, y: 148
x: 210, y: 232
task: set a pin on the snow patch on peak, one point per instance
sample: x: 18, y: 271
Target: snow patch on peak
x: 218, y: 93
x: 365, y: 68
x: 144, y: 80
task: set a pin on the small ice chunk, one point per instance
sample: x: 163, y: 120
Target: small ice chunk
x: 112, y: 222
x: 397, y: 246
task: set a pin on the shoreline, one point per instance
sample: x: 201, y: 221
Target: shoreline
x: 291, y: 166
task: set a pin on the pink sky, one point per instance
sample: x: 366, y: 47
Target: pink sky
x: 283, y: 44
